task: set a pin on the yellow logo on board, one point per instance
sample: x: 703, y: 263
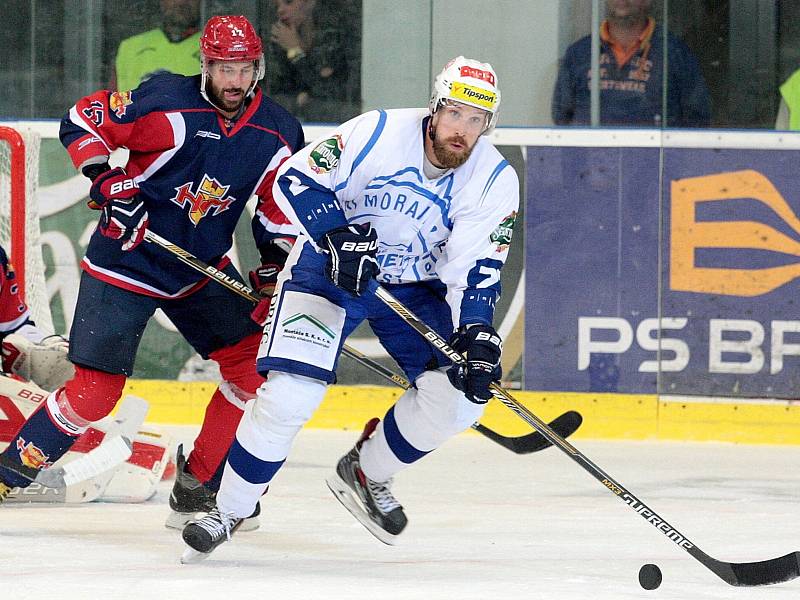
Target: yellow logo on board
x: 689, y: 235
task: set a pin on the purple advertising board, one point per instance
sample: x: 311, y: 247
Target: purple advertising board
x: 671, y: 271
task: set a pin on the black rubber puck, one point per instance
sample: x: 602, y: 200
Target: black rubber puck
x: 649, y: 577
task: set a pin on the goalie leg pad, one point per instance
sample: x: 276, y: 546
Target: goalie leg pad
x: 224, y: 411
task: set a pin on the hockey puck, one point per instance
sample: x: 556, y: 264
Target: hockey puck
x: 649, y: 577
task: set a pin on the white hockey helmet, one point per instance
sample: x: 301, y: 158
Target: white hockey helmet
x: 469, y: 82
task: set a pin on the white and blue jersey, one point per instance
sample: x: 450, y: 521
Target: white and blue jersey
x: 455, y: 228
x: 442, y: 242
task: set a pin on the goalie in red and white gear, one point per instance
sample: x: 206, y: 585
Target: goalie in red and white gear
x: 35, y: 363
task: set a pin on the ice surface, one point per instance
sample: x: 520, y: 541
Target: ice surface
x: 484, y: 524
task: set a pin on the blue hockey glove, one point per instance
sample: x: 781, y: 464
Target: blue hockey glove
x: 483, y: 347
x: 351, y: 256
x: 124, y: 220
x: 113, y: 184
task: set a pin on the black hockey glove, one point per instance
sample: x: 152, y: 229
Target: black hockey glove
x: 483, y: 347
x: 264, y: 277
x: 351, y: 256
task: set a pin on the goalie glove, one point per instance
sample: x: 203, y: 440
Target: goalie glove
x: 351, y: 256
x: 45, y: 363
x: 482, y: 347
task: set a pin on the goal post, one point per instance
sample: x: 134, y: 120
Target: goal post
x: 19, y: 218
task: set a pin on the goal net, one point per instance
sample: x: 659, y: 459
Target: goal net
x: 19, y: 217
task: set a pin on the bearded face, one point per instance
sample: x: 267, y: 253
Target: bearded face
x: 454, y: 131
x: 228, y: 84
x: 452, y: 152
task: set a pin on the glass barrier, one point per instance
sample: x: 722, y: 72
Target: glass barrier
x: 675, y: 63
x: 60, y: 51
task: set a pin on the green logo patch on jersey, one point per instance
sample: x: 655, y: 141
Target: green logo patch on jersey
x: 325, y: 156
x: 503, y: 232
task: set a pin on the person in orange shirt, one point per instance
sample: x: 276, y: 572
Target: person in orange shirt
x: 632, y: 75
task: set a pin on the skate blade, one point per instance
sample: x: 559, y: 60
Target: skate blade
x: 191, y: 556
x: 179, y: 520
x: 342, y: 492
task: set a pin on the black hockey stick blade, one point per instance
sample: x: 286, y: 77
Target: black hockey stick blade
x: 565, y: 425
x: 749, y: 574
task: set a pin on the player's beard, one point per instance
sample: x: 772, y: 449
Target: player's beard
x: 218, y: 98
x: 447, y: 158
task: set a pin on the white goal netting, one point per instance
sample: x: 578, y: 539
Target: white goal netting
x: 16, y: 173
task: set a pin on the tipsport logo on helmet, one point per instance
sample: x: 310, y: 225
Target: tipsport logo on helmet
x: 210, y: 198
x: 462, y: 92
x: 707, y: 256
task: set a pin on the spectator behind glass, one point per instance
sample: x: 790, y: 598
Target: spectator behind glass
x: 632, y: 75
x: 174, y: 47
x: 789, y: 108
x: 313, y: 65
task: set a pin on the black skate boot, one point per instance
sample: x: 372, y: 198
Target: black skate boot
x: 368, y: 501
x: 190, y: 497
x: 205, y: 534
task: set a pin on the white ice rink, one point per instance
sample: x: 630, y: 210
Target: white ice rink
x: 484, y: 523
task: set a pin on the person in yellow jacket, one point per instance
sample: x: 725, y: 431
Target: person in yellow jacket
x: 789, y: 108
x: 173, y: 47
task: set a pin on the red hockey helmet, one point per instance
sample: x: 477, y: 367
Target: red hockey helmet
x: 230, y: 37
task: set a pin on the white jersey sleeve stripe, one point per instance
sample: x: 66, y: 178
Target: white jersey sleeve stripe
x: 498, y: 169
x: 366, y: 149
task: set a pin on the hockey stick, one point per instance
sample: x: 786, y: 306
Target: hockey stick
x: 765, y: 572
x: 103, y: 458
x: 566, y: 424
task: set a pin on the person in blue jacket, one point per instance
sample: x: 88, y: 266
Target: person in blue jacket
x: 632, y: 75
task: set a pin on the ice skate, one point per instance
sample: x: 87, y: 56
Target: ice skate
x: 204, y: 535
x: 190, y: 500
x: 371, y: 502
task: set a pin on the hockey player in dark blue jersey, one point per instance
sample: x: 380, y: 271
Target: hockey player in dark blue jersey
x: 200, y: 147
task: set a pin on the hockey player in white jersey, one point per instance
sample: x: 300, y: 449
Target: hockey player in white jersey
x: 419, y: 200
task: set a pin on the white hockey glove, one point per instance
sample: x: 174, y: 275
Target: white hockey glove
x: 45, y: 363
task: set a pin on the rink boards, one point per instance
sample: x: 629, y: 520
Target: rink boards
x: 605, y: 416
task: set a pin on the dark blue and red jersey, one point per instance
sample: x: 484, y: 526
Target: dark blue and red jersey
x: 195, y: 175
